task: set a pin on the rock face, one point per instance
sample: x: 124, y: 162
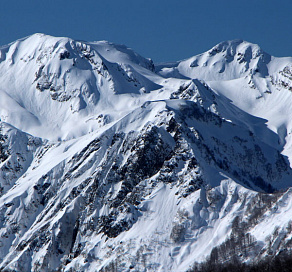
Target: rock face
x: 108, y: 163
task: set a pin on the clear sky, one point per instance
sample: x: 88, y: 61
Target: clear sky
x: 165, y: 30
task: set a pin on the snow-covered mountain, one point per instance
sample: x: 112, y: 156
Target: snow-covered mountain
x: 111, y: 163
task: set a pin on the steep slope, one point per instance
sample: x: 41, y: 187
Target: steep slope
x: 107, y: 165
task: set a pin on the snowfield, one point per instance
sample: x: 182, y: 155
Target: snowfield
x: 109, y: 162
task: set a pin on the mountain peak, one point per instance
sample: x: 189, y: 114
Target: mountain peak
x: 237, y: 47
x: 226, y: 60
x: 60, y: 80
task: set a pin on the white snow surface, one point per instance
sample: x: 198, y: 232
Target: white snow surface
x: 72, y: 112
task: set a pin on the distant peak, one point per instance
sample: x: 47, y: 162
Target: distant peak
x: 239, y: 47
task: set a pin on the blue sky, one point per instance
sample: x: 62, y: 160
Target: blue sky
x: 165, y: 30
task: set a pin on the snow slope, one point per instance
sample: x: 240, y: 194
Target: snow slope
x: 110, y: 163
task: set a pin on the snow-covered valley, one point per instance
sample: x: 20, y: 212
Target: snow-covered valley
x: 109, y: 162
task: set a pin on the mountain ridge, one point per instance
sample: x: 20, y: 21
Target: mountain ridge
x: 110, y: 163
